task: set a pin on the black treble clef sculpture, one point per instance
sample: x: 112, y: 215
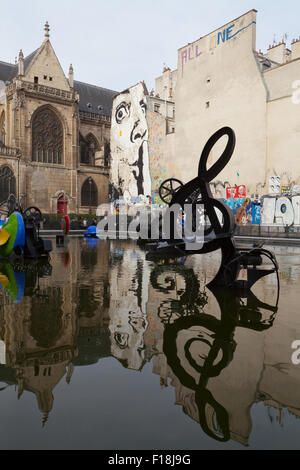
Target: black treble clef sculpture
x: 219, y: 222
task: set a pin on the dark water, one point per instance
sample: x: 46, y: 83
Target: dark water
x: 101, y: 349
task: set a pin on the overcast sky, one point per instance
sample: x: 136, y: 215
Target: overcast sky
x: 116, y: 43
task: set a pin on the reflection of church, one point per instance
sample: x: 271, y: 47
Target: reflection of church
x: 48, y: 325
x: 54, y: 135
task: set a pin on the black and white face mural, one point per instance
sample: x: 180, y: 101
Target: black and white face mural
x: 130, y: 174
x: 128, y: 309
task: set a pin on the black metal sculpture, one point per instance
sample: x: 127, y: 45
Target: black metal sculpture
x: 35, y: 246
x: 219, y: 222
x: 22, y: 228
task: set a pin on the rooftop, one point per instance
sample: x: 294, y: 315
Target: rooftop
x: 93, y: 99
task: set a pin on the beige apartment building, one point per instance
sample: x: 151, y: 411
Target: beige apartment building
x: 222, y: 80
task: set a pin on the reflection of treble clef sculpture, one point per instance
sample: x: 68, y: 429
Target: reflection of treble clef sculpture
x: 209, y: 369
x: 189, y: 299
x: 198, y: 346
x: 219, y: 222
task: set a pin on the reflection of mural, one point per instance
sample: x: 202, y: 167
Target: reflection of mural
x: 128, y: 321
x: 130, y: 174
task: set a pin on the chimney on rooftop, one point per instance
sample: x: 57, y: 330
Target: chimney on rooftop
x: 277, y: 53
x: 296, y: 49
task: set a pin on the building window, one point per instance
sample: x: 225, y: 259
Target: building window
x: 88, y: 148
x: 36, y: 80
x: 47, y: 138
x: 156, y: 108
x: 89, y: 193
x: 7, y: 183
x: 207, y: 104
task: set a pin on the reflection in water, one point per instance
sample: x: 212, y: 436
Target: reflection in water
x: 198, y: 347
x: 221, y: 350
x: 129, y: 283
x: 46, y: 322
x: 198, y: 344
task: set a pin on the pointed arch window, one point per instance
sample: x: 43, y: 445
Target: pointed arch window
x: 88, y: 148
x: 89, y: 193
x: 106, y: 154
x: 7, y: 183
x: 47, y: 138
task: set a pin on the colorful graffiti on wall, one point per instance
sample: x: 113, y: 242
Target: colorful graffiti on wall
x: 245, y: 210
x: 236, y: 192
x: 156, y: 128
x: 272, y: 210
x: 193, y: 51
x: 281, y: 210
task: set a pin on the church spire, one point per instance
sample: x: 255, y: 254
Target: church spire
x: 21, y: 64
x: 71, y: 76
x: 47, y: 30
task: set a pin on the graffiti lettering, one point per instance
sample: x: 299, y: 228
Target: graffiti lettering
x: 225, y: 35
x: 283, y: 210
x: 189, y: 54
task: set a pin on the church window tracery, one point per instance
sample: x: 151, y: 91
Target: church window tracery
x: 7, y: 183
x: 88, y: 148
x: 89, y: 193
x: 47, y: 138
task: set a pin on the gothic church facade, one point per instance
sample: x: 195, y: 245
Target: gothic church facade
x: 54, y: 135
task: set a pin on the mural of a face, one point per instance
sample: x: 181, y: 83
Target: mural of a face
x: 130, y: 172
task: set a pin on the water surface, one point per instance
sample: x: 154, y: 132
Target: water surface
x: 101, y: 349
